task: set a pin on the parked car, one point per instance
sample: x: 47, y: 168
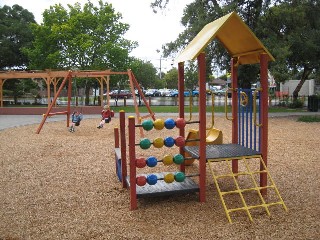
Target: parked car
x: 152, y: 93
x: 212, y: 89
x: 195, y: 93
x: 162, y: 91
x: 167, y: 93
x: 222, y: 92
x: 120, y: 94
x: 175, y: 93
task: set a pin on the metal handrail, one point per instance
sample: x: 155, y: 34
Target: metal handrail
x: 226, y: 104
x: 212, y: 109
x: 190, y: 106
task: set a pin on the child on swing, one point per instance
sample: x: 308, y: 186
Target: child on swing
x: 76, y: 118
x: 106, y: 116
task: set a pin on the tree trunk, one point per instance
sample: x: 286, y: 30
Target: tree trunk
x: 77, y: 96
x: 304, y: 77
x: 87, y: 93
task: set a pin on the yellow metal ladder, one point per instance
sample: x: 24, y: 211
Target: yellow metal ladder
x: 249, y: 171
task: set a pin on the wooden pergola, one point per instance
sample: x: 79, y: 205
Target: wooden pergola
x: 54, y: 77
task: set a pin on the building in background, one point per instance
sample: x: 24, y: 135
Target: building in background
x: 308, y: 88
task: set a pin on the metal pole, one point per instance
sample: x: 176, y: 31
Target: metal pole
x: 160, y: 68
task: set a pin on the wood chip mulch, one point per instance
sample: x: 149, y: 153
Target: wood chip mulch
x: 62, y: 185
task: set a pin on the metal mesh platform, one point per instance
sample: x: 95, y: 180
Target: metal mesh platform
x: 222, y: 151
x: 161, y: 188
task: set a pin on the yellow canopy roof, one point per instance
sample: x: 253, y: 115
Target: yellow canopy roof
x: 234, y: 34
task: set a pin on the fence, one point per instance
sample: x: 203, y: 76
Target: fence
x: 274, y: 101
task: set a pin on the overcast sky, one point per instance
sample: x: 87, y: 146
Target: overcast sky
x: 150, y: 30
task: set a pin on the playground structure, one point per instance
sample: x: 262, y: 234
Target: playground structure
x: 249, y: 118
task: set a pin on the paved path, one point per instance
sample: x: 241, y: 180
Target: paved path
x: 10, y: 121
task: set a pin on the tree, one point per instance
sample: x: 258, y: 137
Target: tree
x: 191, y: 75
x: 80, y: 38
x: 145, y: 72
x: 15, y: 34
x: 201, y: 12
x: 171, y: 78
x: 289, y: 29
x: 20, y: 87
x: 292, y: 31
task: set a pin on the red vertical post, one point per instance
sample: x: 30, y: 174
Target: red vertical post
x: 264, y: 118
x: 132, y: 159
x: 202, y: 126
x: 123, y: 148
x: 116, y: 137
x: 234, y: 86
x: 181, y: 105
x: 181, y: 89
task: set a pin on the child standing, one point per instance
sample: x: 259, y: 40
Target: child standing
x: 106, y: 116
x: 76, y: 118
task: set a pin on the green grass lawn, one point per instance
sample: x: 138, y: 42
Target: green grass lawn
x: 314, y: 118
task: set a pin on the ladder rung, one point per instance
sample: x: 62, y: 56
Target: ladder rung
x: 238, y: 190
x: 239, y: 174
x: 237, y: 209
x: 254, y: 206
x: 275, y: 203
x: 246, y: 190
x: 260, y: 171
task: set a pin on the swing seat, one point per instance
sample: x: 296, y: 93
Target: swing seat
x: 214, y: 136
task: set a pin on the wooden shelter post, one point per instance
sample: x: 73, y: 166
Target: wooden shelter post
x: 48, y: 82
x: 104, y: 80
x: 101, y: 91
x: 55, y: 83
x: 1, y: 91
x: 69, y: 96
x: 108, y: 89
